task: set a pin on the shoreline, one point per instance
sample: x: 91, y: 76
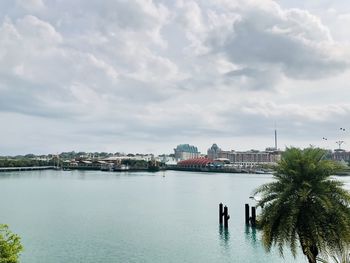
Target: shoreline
x: 203, y: 170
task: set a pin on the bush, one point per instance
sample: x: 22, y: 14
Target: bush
x: 10, y: 245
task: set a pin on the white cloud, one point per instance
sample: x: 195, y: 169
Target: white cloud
x: 31, y: 5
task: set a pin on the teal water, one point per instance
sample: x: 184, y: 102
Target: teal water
x: 90, y: 217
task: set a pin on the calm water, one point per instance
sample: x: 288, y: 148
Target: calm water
x: 72, y: 216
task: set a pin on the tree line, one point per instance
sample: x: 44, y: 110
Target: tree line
x: 24, y: 162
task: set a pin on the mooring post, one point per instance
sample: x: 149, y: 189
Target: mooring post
x: 253, y: 222
x: 221, y: 213
x: 246, y: 214
x: 226, y: 217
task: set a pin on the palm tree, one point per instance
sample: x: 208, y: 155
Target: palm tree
x: 341, y: 255
x: 304, y: 205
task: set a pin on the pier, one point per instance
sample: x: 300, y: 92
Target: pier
x: 34, y: 168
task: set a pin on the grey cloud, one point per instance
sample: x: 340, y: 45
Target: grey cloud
x: 43, y: 69
x: 272, y: 42
x: 288, y: 42
x: 253, y: 45
x: 20, y: 96
x: 253, y: 78
x: 109, y: 16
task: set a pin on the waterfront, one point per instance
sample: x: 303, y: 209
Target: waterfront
x: 92, y: 216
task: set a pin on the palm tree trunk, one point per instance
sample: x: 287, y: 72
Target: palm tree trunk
x: 311, y: 258
x: 312, y: 255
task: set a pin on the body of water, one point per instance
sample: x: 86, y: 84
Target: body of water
x: 92, y: 216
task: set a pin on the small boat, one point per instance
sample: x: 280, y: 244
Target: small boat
x: 121, y: 168
x: 259, y: 172
x: 107, y: 167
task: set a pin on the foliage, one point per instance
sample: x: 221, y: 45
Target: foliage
x: 304, y: 204
x: 10, y: 245
x: 23, y: 162
x: 341, y: 255
x: 136, y: 164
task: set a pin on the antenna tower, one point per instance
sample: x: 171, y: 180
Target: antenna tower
x: 275, y: 137
x: 339, y: 144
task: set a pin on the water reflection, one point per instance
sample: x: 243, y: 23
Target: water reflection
x: 23, y: 174
x: 224, y: 236
x: 250, y: 234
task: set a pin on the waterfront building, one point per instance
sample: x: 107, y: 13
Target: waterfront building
x: 341, y: 155
x: 195, y: 163
x: 186, y: 151
x: 245, y: 158
x: 252, y: 157
x: 84, y: 164
x: 213, y: 152
x: 137, y: 157
x: 169, y: 160
x: 144, y: 157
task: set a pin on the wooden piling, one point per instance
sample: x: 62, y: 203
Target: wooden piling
x: 221, y: 213
x: 253, y: 219
x: 226, y: 217
x: 246, y: 214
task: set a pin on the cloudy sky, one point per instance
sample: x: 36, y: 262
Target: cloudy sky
x: 146, y: 75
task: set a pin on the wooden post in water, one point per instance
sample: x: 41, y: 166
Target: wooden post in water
x: 226, y: 217
x: 246, y: 214
x: 221, y: 213
x: 253, y: 220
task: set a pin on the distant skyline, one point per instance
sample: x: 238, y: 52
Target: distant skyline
x: 147, y: 75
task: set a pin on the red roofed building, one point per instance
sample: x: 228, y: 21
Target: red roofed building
x: 195, y: 163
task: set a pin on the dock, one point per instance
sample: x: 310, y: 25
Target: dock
x: 33, y: 168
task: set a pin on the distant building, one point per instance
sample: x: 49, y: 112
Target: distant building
x: 252, y: 157
x: 137, y: 157
x: 185, y: 152
x: 167, y: 159
x: 195, y: 163
x: 213, y: 152
x: 341, y: 155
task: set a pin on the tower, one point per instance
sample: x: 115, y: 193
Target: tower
x: 275, y: 138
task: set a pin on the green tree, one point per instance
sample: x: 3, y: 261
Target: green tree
x: 10, y: 245
x: 304, y: 205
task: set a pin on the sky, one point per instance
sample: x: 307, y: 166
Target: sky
x: 143, y: 76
